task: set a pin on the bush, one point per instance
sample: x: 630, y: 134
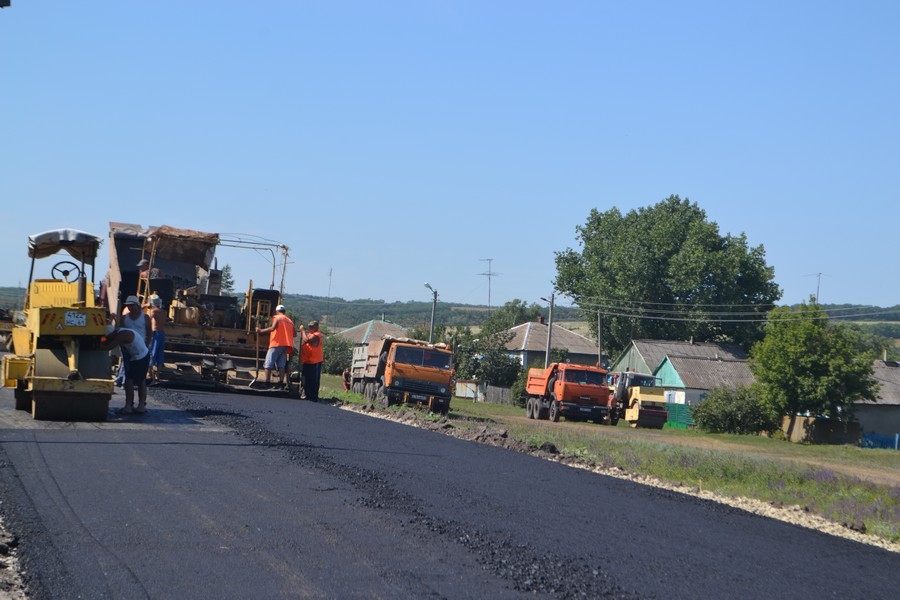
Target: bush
x: 517, y: 393
x: 337, y: 354
x: 741, y: 410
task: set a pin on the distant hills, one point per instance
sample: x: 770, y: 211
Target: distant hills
x: 336, y: 314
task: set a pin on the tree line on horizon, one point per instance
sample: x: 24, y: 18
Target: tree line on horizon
x: 337, y: 314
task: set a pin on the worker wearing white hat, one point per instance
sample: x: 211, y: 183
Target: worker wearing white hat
x: 281, y: 344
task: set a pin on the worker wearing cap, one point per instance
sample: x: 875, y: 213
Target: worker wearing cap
x: 311, y: 355
x: 132, y: 318
x: 281, y: 343
x: 146, y: 272
x: 136, y: 358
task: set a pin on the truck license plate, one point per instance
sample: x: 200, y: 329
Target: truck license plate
x: 585, y: 409
x: 419, y: 397
x: 75, y: 319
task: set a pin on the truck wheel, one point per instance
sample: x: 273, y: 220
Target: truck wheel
x: 540, y: 411
x: 381, y: 397
x: 529, y: 408
x: 554, y: 411
x: 369, y: 392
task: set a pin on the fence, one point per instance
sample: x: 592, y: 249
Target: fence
x: 873, y: 440
x: 480, y: 392
x: 679, y: 416
x: 496, y: 395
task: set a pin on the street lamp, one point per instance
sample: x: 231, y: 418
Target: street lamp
x: 433, y: 304
x: 549, y: 329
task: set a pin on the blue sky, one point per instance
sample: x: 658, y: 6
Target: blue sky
x: 398, y: 142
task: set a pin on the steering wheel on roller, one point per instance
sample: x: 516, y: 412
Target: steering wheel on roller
x: 60, y: 273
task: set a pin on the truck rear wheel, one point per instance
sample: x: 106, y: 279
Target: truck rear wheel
x: 529, y: 408
x: 554, y: 411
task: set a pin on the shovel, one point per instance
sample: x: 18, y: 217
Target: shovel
x: 257, y: 348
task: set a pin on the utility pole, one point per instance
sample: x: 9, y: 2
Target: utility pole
x: 818, y: 277
x: 433, y: 305
x: 600, y: 339
x: 549, y: 330
x: 333, y: 315
x: 489, y: 274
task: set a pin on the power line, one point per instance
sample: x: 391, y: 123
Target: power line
x: 753, y: 318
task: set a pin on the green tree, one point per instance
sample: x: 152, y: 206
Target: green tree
x: 741, y: 410
x: 514, y: 312
x: 518, y: 396
x: 227, y: 281
x: 337, y: 354
x: 495, y: 365
x: 665, y: 272
x: 806, y: 364
x: 421, y: 332
x: 868, y: 340
x: 484, y: 357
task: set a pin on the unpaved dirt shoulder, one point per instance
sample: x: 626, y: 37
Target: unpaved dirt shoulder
x: 497, y: 436
x: 873, y: 475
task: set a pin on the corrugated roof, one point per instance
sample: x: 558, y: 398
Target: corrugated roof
x: 532, y: 337
x: 887, y: 374
x: 654, y: 351
x: 701, y: 373
x: 371, y: 330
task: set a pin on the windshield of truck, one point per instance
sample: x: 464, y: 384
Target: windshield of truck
x: 643, y: 380
x: 585, y: 377
x: 418, y: 356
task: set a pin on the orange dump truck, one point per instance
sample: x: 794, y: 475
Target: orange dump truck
x: 403, y: 371
x: 576, y: 392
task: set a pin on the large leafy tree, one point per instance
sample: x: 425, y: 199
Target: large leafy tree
x: 807, y: 364
x: 482, y: 355
x: 665, y: 272
x: 515, y: 312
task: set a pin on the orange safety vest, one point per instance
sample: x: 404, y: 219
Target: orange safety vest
x: 312, y: 355
x: 283, y: 334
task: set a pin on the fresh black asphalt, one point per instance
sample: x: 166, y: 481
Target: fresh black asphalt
x: 236, y: 496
